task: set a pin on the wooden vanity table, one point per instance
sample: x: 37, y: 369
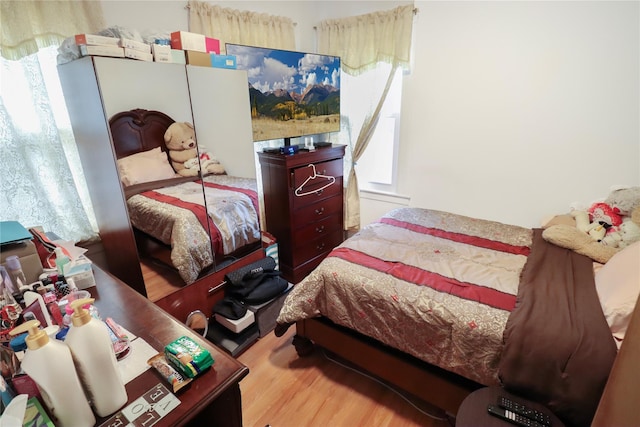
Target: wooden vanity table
x: 212, y: 398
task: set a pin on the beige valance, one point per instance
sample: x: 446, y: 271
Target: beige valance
x: 28, y: 26
x: 241, y: 27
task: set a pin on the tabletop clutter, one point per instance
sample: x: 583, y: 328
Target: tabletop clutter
x: 59, y: 355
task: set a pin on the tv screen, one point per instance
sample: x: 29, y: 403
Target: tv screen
x: 292, y: 94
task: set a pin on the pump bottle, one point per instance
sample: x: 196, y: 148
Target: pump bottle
x: 92, y: 349
x: 50, y: 364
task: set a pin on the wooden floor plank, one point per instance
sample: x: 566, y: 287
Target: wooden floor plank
x: 285, y: 390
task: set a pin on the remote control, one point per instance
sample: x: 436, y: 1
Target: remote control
x: 526, y: 411
x: 512, y: 417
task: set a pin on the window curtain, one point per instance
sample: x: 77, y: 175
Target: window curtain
x: 42, y: 183
x: 362, y: 42
x: 241, y: 27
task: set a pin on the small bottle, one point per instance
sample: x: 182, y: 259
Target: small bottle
x: 61, y: 260
x: 14, y: 268
x: 6, y: 295
x: 92, y: 349
x: 50, y: 364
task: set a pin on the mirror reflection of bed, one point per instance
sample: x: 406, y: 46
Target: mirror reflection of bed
x: 181, y: 235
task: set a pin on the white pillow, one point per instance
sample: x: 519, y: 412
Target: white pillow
x: 618, y: 286
x: 152, y: 165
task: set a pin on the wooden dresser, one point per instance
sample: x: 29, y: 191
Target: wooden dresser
x: 304, y: 211
x: 213, y: 398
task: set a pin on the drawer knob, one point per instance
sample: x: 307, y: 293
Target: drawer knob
x: 319, y: 192
x: 320, y: 229
x: 320, y: 211
x: 320, y: 246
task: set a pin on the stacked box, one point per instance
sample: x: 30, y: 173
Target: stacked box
x: 104, y: 50
x: 135, y: 45
x: 184, y: 40
x: 91, y: 44
x: 95, y: 40
x: 231, y: 342
x: 161, y: 52
x: 238, y: 325
x: 223, y: 61
x: 194, y: 57
x: 137, y: 54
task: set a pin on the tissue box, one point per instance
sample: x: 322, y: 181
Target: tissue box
x: 79, y: 272
x: 224, y: 61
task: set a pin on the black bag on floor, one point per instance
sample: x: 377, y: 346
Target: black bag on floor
x: 255, y: 283
x: 258, y: 287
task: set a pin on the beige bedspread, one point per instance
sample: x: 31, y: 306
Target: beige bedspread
x: 435, y: 285
x: 233, y: 217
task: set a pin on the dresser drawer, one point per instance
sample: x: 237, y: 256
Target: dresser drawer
x: 317, y: 211
x: 318, y: 229
x: 306, y: 189
x: 304, y: 251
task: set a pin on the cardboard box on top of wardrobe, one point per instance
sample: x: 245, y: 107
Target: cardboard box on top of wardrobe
x: 183, y: 40
x: 193, y: 57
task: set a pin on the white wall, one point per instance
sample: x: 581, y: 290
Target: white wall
x: 513, y: 110
x: 517, y: 109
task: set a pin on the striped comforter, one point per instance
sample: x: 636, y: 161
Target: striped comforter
x: 432, y: 284
x: 178, y: 216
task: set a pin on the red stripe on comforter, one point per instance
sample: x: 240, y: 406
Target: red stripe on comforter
x: 198, y: 210
x: 460, y: 238
x: 418, y: 276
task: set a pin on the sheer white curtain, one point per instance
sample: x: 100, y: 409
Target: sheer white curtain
x: 41, y: 180
x: 363, y: 42
x: 241, y: 27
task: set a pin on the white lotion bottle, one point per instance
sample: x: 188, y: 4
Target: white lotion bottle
x: 95, y: 359
x: 50, y: 364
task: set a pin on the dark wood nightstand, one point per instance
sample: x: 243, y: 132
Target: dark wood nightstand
x: 473, y: 410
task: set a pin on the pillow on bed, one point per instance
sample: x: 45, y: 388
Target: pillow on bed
x: 618, y: 286
x: 152, y: 165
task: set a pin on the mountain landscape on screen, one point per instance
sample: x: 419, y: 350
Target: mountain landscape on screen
x: 291, y: 94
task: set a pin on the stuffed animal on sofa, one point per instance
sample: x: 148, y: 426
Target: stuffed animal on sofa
x: 180, y: 140
x: 622, y: 235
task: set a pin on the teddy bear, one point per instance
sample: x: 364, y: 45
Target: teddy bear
x: 180, y: 140
x: 606, y: 214
x: 626, y: 233
x: 594, y: 229
x: 206, y: 162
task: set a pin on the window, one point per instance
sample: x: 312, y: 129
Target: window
x: 43, y: 182
x: 376, y: 168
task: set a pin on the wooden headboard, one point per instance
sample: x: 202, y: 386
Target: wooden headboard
x: 138, y: 130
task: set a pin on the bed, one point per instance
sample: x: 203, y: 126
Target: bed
x: 440, y: 304
x: 168, y: 211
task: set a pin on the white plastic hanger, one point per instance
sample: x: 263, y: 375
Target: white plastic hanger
x: 314, y: 175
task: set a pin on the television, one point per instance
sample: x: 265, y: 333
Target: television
x: 292, y: 94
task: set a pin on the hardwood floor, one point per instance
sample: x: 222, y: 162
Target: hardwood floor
x: 285, y: 390
x: 160, y: 280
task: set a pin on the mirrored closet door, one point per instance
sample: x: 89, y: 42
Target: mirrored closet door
x: 99, y: 90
